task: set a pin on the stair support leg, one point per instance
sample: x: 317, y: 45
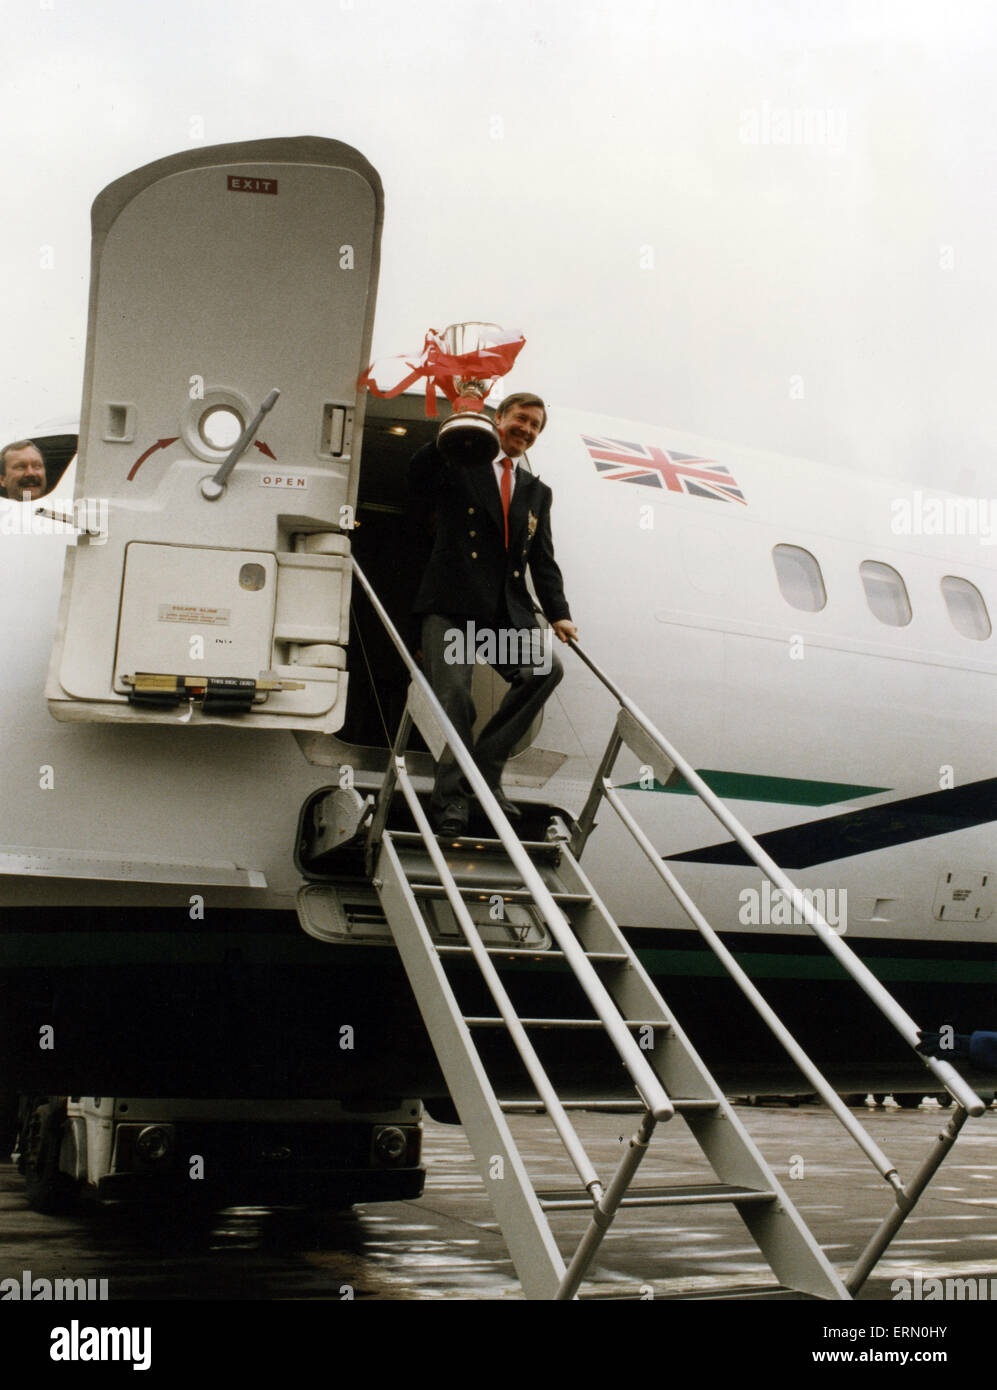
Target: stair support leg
x: 906, y: 1200
x: 606, y: 1209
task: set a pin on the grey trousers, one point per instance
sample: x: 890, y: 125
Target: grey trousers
x: 450, y: 678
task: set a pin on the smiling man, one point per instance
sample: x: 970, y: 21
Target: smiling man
x: 492, y: 523
x: 22, y: 471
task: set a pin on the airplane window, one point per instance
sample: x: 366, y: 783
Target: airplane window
x: 220, y: 426
x: 800, y: 581
x: 886, y: 593
x: 966, y: 608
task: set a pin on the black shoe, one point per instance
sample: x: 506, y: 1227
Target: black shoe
x: 452, y: 820
x: 509, y: 808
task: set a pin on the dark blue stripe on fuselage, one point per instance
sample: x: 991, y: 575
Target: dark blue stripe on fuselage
x: 862, y: 832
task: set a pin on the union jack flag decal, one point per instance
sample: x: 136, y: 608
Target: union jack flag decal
x: 620, y: 461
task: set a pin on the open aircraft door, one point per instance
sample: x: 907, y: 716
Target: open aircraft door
x: 218, y: 277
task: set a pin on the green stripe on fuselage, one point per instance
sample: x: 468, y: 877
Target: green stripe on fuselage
x: 750, y: 786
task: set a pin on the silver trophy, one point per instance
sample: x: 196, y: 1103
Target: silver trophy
x: 469, y: 435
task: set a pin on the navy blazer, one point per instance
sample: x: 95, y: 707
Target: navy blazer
x: 470, y: 574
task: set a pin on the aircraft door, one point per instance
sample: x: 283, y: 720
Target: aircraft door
x: 220, y: 277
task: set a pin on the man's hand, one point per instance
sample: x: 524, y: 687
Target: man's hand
x: 565, y: 628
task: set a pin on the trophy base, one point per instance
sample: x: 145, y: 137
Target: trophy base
x: 468, y: 437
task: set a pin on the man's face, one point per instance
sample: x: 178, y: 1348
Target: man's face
x: 518, y: 428
x: 24, y: 472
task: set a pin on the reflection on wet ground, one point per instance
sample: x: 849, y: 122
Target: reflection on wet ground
x: 446, y: 1244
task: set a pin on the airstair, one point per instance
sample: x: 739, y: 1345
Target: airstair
x: 443, y: 903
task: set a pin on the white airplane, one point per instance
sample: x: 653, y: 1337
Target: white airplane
x: 817, y: 643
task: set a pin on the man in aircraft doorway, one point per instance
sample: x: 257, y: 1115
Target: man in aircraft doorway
x: 22, y: 471
x: 492, y: 521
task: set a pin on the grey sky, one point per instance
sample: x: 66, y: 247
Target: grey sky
x: 768, y: 223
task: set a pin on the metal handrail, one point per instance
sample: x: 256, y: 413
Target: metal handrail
x: 855, y: 967
x: 646, y: 1082
x: 821, y: 1085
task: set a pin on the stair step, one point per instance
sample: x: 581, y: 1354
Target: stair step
x: 734, y: 1293
x: 746, y: 1292
x: 688, y: 1195
x: 482, y: 1021
x: 613, y: 957
x: 412, y: 837
x: 612, y: 1107
x: 483, y: 891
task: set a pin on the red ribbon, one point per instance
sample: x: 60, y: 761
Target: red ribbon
x: 441, y: 369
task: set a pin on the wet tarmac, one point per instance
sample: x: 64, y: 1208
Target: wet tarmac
x: 446, y: 1246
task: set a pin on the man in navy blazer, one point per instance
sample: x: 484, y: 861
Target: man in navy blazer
x: 476, y: 575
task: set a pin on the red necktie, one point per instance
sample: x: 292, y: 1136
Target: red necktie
x: 507, y: 467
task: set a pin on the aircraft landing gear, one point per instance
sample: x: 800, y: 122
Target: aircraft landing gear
x: 43, y: 1124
